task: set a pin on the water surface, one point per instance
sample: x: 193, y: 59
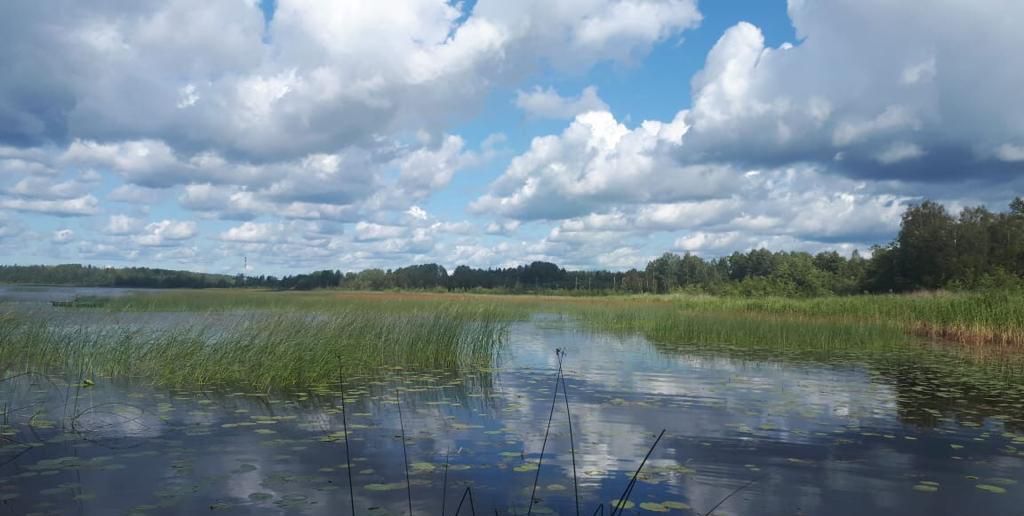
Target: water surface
x: 906, y: 433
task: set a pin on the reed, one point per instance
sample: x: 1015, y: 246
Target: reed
x: 261, y: 349
x: 994, y: 317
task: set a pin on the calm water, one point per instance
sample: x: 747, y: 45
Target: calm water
x: 24, y: 296
x: 872, y: 435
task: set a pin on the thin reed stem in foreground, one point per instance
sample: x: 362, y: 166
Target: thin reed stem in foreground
x: 405, y: 452
x: 444, y: 487
x: 632, y: 483
x: 348, y: 453
x: 572, y: 444
x: 547, y: 431
x: 733, y: 493
x: 472, y: 508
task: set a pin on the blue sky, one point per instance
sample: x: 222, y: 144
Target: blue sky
x: 596, y: 134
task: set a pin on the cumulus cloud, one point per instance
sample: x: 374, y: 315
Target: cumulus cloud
x: 46, y: 188
x: 75, y: 207
x: 547, y: 103
x: 605, y: 183
x: 417, y: 213
x: 368, y: 231
x: 870, y: 82
x: 320, y: 74
x: 166, y: 232
x: 134, y: 194
x: 254, y: 232
x: 598, y: 160
x: 123, y: 225
x: 806, y: 145
x: 323, y: 133
x: 305, y: 115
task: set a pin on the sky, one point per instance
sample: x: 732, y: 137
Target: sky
x: 342, y: 134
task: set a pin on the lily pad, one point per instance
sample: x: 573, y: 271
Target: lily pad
x: 653, y: 507
x: 676, y: 505
x: 391, y: 486
x: 991, y: 488
x: 626, y: 505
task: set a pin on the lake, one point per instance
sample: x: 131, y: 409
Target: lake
x: 866, y: 434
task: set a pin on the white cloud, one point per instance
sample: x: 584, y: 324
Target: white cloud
x: 75, y: 207
x: 899, y: 151
x: 368, y: 231
x: 417, y: 213
x: 594, y: 161
x: 166, y: 232
x: 1010, y: 153
x: 123, y: 225
x: 46, y: 188
x: 760, y: 156
x: 700, y: 242
x: 321, y: 74
x: 867, y: 74
x: 893, y: 119
x: 253, y: 232
x: 323, y: 134
x: 141, y: 160
x: 63, y: 236
x: 134, y: 194
x: 547, y: 103
x: 920, y: 72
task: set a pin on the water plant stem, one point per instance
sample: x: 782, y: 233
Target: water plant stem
x: 632, y: 483
x: 572, y: 445
x: 547, y: 431
x: 348, y: 453
x: 405, y: 452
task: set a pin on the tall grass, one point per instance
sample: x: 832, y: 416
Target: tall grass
x: 320, y: 301
x: 279, y: 339
x: 969, y: 318
x: 831, y: 330
x: 262, y: 349
x: 666, y: 325
x: 973, y: 318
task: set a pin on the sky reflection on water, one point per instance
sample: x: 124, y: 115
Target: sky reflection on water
x: 857, y: 437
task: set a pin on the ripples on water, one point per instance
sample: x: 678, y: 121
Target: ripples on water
x: 877, y: 435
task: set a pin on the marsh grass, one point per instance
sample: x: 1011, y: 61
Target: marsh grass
x: 827, y: 331
x: 969, y: 318
x: 262, y: 349
x: 982, y: 318
x: 268, y: 340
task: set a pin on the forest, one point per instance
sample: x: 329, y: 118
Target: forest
x: 935, y: 249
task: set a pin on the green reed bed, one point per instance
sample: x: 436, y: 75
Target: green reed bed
x: 261, y: 349
x: 225, y: 300
x: 971, y: 318
x: 776, y: 329
x: 665, y: 323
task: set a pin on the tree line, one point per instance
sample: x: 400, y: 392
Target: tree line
x: 129, y: 277
x: 934, y: 249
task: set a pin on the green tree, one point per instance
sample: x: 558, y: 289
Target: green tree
x: 926, y: 253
